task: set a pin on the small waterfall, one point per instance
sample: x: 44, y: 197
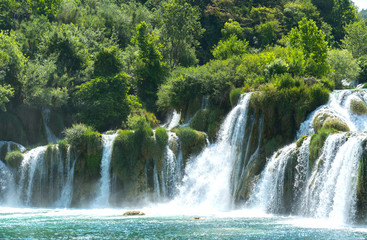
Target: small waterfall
x: 338, y: 106
x: 103, y: 195
x: 7, y: 185
x: 268, y: 194
x: 46, y: 176
x: 173, y: 120
x: 207, y: 180
x: 31, y: 161
x: 11, y: 146
x: 331, y: 189
x: 67, y: 189
x: 51, y: 137
x: 172, y: 170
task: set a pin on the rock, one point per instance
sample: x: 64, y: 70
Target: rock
x: 310, y: 81
x: 197, y: 218
x: 328, y: 120
x: 133, y: 213
x: 358, y: 106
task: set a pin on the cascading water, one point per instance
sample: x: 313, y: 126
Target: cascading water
x: 339, y: 106
x: 207, y: 180
x: 327, y: 187
x: 172, y: 170
x: 103, y: 195
x: 46, y: 177
x: 51, y: 137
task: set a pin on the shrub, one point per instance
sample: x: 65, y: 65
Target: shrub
x: 317, y: 142
x: 78, y: 133
x: 192, y: 142
x: 14, y: 159
x: 234, y: 96
x: 358, y: 106
x: 337, y: 124
x: 161, y: 137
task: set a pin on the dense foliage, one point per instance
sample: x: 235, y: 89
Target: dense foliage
x: 112, y: 63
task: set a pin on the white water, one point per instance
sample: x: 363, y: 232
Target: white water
x: 173, y: 168
x: 173, y: 121
x: 103, y: 195
x: 11, y: 146
x: 338, y: 106
x: 268, y: 194
x: 207, y: 180
x: 51, y: 137
x: 31, y: 161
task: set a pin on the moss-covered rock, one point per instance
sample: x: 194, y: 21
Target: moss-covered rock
x: 358, y: 106
x: 209, y: 121
x: 14, y: 159
x: 362, y: 189
x: 330, y: 121
x: 316, y: 144
x: 192, y: 141
x: 300, y: 141
x: 234, y: 96
x: 337, y: 124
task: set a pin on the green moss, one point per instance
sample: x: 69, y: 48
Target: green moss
x: 317, y: 142
x: 63, y: 145
x: 337, y: 124
x: 200, y: 120
x: 300, y: 141
x: 192, y: 141
x: 358, y: 106
x: 234, y: 95
x: 161, y: 137
x: 14, y: 159
x: 362, y: 189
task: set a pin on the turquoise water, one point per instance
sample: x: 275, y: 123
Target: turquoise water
x: 110, y: 224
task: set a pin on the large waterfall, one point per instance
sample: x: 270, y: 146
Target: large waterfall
x: 207, y: 182
x: 326, y: 188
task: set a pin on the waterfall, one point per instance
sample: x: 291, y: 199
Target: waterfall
x: 268, y: 194
x: 207, y: 180
x: 173, y: 120
x: 11, y: 146
x: 331, y: 189
x: 172, y: 170
x: 103, y: 195
x: 339, y: 107
x: 7, y: 184
x: 46, y: 176
x: 51, y: 138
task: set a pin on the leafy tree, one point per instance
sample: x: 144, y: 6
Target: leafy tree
x: 12, y: 62
x: 12, y: 12
x: 5, y: 93
x: 232, y: 27
x: 179, y: 31
x: 230, y: 47
x: 48, y: 8
x: 150, y: 69
x: 103, y: 102
x: 343, y: 67
x: 356, y: 38
x: 295, y: 11
x: 107, y: 62
x: 311, y: 41
x: 337, y: 13
x: 40, y: 88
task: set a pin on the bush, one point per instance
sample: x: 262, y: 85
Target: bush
x: 358, y: 106
x: 317, y: 142
x: 161, y: 137
x: 234, y: 96
x: 78, y: 133
x: 14, y: 159
x: 336, y: 124
x: 192, y: 142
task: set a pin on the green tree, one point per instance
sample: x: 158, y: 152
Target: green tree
x: 343, y: 66
x: 12, y: 62
x: 230, y: 47
x: 103, y: 102
x: 107, y: 62
x: 48, y: 8
x: 179, y: 32
x: 356, y: 38
x: 5, y: 93
x: 150, y: 69
x: 232, y: 27
x: 311, y: 41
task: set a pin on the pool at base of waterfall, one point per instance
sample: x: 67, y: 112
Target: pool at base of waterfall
x: 23, y: 223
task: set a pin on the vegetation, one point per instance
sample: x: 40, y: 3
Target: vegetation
x: 358, y: 106
x: 14, y: 158
x: 317, y: 142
